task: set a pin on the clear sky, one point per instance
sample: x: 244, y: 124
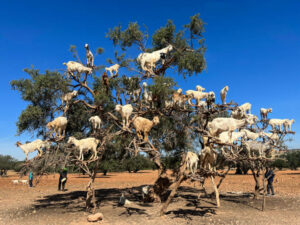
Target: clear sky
x: 252, y: 46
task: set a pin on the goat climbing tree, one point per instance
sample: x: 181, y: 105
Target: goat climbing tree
x: 182, y: 127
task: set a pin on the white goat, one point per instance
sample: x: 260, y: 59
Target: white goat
x: 15, y: 181
x: 238, y: 114
x: 230, y: 137
x: 125, y: 111
x: 96, y: 122
x: 223, y: 94
x: 89, y: 56
x: 77, y: 67
x: 246, y: 107
x: 264, y: 112
x: 191, y: 160
x: 199, y: 88
x: 288, y: 123
x: 147, y: 95
x: 197, y: 95
x: 58, y: 126
x: 143, y: 125
x: 31, y: 147
x: 276, y: 122
x: 219, y: 125
x: 251, y: 135
x: 211, y: 98
x: 84, y: 145
x: 115, y: 68
x: 202, y: 104
x: 252, y: 119
x: 179, y: 98
x: 263, y: 149
x: 208, y: 158
x: 66, y: 98
x: 169, y: 104
x: 149, y: 59
x: 24, y: 181
x: 272, y: 136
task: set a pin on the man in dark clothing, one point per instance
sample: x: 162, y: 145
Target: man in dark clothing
x: 270, y: 177
x: 62, y: 179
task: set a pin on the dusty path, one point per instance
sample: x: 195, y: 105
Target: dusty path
x: 43, y: 204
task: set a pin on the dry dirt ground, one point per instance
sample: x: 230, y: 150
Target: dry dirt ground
x: 43, y: 204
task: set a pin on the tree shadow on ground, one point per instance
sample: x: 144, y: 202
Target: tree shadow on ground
x: 75, y: 201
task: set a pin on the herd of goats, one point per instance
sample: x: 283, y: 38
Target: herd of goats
x: 221, y: 131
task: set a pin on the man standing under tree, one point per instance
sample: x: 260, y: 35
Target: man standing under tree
x: 62, y: 179
x: 270, y: 177
x: 30, y: 178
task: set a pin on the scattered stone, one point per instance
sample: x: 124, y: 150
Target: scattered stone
x: 95, y: 217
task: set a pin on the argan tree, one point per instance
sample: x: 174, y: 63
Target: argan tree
x: 182, y: 125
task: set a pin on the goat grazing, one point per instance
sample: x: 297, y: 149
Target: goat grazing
x: 58, y: 126
x: 264, y: 113
x: 66, y: 98
x: 96, y: 123
x: 89, y: 56
x: 84, y: 145
x: 15, y: 181
x: 223, y: 94
x: 77, y: 67
x: 24, y: 181
x: 115, y: 68
x: 125, y: 111
x: 191, y: 160
x: 143, y: 125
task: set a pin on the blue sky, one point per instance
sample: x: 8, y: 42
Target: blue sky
x: 252, y: 46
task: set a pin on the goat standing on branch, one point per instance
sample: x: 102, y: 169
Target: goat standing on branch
x: 89, y: 56
x: 84, y: 145
x: 148, y: 60
x: 143, y: 125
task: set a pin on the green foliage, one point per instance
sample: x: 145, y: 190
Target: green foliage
x: 42, y: 92
x: 7, y: 162
x: 134, y: 164
x: 128, y: 37
x: 293, y: 159
x: 163, y: 36
x: 280, y: 164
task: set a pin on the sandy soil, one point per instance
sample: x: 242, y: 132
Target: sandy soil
x: 43, y: 204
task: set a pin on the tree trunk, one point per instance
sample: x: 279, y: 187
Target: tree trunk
x: 90, y: 195
x: 216, y: 190
x: 173, y: 192
x: 257, y: 183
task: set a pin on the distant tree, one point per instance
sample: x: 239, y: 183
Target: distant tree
x: 293, y: 159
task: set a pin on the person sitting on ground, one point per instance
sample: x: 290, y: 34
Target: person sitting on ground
x: 30, y: 178
x: 62, y: 179
x: 270, y: 177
